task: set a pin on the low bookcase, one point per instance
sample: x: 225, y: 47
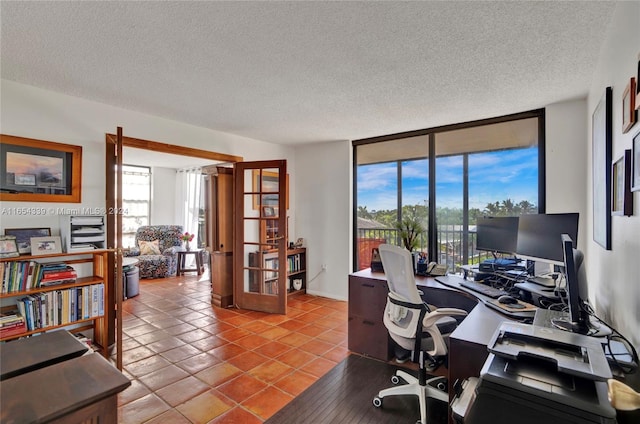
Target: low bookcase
x: 78, y: 304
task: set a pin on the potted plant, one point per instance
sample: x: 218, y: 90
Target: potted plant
x: 409, y: 231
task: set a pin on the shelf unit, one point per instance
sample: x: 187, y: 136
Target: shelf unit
x: 266, y: 281
x: 82, y: 232
x: 100, y: 278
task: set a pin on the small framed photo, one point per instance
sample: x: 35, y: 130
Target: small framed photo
x: 629, y: 106
x: 622, y: 201
x: 23, y: 237
x: 635, y: 165
x: 269, y: 211
x: 8, y: 247
x: 45, y: 245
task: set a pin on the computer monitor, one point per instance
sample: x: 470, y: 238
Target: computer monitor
x: 539, y: 236
x: 576, y: 288
x: 497, y: 234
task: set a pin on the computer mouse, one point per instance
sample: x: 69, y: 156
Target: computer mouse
x: 507, y: 300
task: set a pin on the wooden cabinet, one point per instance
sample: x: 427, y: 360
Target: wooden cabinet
x: 79, y: 305
x: 367, y: 333
x: 219, y: 232
x: 267, y: 280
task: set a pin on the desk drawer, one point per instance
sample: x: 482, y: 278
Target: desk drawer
x: 367, y: 298
x: 369, y: 337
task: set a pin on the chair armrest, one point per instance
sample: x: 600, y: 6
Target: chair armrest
x: 170, y: 251
x: 134, y: 251
x: 433, y: 316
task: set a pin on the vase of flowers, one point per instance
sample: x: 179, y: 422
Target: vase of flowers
x: 187, y: 237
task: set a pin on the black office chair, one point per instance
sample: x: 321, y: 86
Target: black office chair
x: 416, y: 327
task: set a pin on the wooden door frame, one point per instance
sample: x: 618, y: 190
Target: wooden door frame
x: 110, y: 200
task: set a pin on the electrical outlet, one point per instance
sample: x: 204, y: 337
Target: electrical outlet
x: 324, y: 267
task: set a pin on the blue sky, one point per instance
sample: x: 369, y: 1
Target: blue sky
x: 493, y: 176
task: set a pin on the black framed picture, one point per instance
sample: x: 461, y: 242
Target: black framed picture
x: 601, y: 135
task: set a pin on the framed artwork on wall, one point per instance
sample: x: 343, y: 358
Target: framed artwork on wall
x: 622, y: 201
x: 39, y: 171
x: 629, y: 112
x: 601, y: 133
x: 635, y: 163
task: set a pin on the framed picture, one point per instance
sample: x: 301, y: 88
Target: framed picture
x: 629, y: 106
x: 622, y: 202
x: 23, y: 237
x: 45, y: 245
x: 601, y: 133
x: 269, y: 211
x: 638, y: 85
x: 8, y: 247
x: 269, y: 188
x: 635, y: 163
x: 39, y: 171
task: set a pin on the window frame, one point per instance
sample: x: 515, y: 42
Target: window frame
x: 430, y: 134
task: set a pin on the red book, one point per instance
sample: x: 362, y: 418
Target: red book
x: 57, y: 275
x: 13, y: 329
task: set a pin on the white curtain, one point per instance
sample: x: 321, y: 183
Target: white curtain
x: 188, y: 188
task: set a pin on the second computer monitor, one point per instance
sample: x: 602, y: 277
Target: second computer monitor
x: 497, y: 234
x: 539, y: 236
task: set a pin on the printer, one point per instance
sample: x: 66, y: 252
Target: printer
x: 538, y: 375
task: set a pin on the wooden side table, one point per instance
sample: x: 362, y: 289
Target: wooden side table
x: 182, y: 256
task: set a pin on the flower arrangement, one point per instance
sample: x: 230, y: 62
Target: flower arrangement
x: 187, y: 237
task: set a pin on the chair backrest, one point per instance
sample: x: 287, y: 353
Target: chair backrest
x: 168, y: 235
x: 398, y: 268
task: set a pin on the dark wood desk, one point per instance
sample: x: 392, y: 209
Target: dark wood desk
x: 467, y: 344
x: 82, y: 389
x: 30, y: 354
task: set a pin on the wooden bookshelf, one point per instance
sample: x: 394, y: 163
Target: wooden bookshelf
x: 97, y: 284
x: 265, y: 281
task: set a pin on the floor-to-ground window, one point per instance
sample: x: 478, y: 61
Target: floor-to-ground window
x: 488, y: 168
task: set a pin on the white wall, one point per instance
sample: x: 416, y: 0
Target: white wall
x: 323, y: 208
x: 35, y: 113
x: 163, y: 196
x: 613, y: 275
x: 566, y: 161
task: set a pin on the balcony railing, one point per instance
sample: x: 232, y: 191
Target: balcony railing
x: 450, y: 242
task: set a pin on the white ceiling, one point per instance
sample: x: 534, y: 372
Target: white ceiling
x: 298, y: 72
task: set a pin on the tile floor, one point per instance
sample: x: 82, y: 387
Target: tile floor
x: 192, y: 363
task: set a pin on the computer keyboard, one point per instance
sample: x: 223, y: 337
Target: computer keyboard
x: 488, y: 291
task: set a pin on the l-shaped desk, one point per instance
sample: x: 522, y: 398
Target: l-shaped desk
x: 467, y: 344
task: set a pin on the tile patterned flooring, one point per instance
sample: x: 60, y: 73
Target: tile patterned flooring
x: 190, y: 362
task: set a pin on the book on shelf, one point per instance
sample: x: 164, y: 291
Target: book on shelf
x: 18, y: 276
x: 59, y: 307
x: 13, y: 329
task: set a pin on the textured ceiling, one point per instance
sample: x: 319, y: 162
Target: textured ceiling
x: 297, y: 72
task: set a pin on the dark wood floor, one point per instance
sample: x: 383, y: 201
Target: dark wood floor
x: 345, y: 395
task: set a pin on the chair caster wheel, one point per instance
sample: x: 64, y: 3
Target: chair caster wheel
x: 377, y: 402
x: 418, y: 422
x: 395, y: 379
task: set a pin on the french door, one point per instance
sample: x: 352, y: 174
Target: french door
x: 260, y: 239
